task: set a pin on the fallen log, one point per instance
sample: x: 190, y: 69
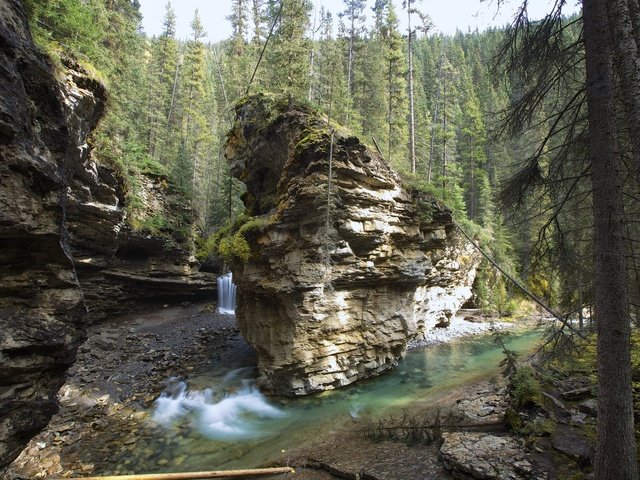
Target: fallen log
x: 196, y: 475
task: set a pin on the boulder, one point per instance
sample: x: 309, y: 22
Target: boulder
x: 487, y: 457
x: 345, y: 268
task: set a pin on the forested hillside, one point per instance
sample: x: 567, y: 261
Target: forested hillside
x: 438, y: 111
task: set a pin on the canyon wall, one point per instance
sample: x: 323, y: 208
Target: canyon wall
x: 42, y: 310
x: 343, y: 272
x: 67, y: 253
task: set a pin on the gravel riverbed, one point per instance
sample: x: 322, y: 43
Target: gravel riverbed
x: 119, y: 372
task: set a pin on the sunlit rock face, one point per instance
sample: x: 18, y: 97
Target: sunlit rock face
x: 341, y: 277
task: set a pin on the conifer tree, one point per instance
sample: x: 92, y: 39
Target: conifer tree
x: 196, y: 130
x: 329, y: 83
x: 395, y: 84
x: 161, y: 79
x: 370, y: 96
x: 353, y: 13
x: 288, y: 56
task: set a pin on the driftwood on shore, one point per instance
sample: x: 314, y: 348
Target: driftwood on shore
x: 197, y: 475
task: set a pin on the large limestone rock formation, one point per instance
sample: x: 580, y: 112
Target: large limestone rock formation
x: 333, y: 295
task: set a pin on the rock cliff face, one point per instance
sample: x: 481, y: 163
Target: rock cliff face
x: 41, y: 305
x: 119, y: 269
x: 67, y: 255
x: 340, y: 277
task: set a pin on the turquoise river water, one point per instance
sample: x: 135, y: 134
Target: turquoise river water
x: 221, y: 420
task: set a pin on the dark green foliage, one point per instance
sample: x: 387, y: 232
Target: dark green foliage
x: 524, y: 388
x: 509, y: 363
x: 182, y: 171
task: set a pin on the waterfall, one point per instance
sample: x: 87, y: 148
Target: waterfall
x: 226, y: 295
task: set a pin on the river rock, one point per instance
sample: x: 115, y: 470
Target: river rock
x: 589, y: 406
x: 341, y: 277
x: 486, y: 456
x: 573, y: 442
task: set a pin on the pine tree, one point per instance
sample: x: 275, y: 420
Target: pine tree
x: 329, y: 84
x: 616, y: 454
x: 288, y: 58
x: 162, y: 75
x: 370, y: 96
x: 395, y: 83
x: 353, y: 13
x: 195, y: 129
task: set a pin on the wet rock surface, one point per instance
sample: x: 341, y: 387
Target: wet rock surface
x: 105, y: 402
x: 341, y: 277
x: 348, y: 453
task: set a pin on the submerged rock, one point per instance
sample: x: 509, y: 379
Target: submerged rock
x: 341, y: 277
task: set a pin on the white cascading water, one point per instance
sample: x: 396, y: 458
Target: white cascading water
x: 235, y: 410
x: 226, y: 295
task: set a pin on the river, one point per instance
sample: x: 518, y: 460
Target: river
x: 219, y: 419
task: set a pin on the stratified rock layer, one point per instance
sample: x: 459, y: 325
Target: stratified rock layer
x: 41, y: 305
x: 67, y: 255
x: 332, y: 294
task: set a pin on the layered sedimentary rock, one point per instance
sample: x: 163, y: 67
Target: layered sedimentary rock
x: 344, y: 270
x: 42, y: 311
x: 67, y: 253
x: 121, y: 269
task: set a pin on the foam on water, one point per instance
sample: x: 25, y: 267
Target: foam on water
x: 238, y: 415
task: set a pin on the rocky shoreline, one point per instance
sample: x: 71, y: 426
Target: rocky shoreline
x: 462, y: 324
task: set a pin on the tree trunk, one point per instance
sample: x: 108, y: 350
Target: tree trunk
x: 615, y: 442
x: 435, y: 119
x: 628, y: 68
x: 352, y: 34
x: 444, y: 135
x: 312, y: 55
x: 634, y: 10
x: 390, y: 112
x: 412, y: 120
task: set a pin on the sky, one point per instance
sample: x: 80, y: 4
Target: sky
x: 447, y: 15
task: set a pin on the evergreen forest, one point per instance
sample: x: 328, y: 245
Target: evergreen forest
x: 437, y: 107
